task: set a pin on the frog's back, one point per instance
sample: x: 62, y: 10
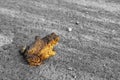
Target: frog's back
x: 36, y: 47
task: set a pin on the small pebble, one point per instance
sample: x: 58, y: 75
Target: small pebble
x: 74, y: 76
x: 70, y: 68
x: 69, y: 29
x: 77, y: 23
x: 43, y: 19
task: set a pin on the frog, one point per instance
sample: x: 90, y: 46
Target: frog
x: 41, y: 49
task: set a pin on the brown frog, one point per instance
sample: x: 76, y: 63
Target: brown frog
x: 41, y: 49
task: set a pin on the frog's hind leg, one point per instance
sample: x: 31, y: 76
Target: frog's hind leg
x: 37, y: 37
x: 23, y: 50
x: 34, y: 60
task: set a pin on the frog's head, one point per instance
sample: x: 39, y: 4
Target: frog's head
x: 55, y: 38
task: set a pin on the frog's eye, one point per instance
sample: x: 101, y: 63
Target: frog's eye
x: 53, y: 33
x: 57, y: 39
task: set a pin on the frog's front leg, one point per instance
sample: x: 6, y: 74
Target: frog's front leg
x: 53, y: 52
x: 50, y: 52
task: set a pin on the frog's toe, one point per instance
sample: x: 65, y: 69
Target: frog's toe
x: 23, y: 49
x: 54, y: 52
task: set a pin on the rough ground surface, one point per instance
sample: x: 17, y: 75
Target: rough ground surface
x: 91, y: 51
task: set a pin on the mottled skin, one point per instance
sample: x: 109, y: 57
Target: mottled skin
x: 41, y: 49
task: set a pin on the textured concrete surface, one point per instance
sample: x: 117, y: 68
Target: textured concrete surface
x: 91, y: 51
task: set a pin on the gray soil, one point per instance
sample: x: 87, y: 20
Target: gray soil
x: 91, y: 51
